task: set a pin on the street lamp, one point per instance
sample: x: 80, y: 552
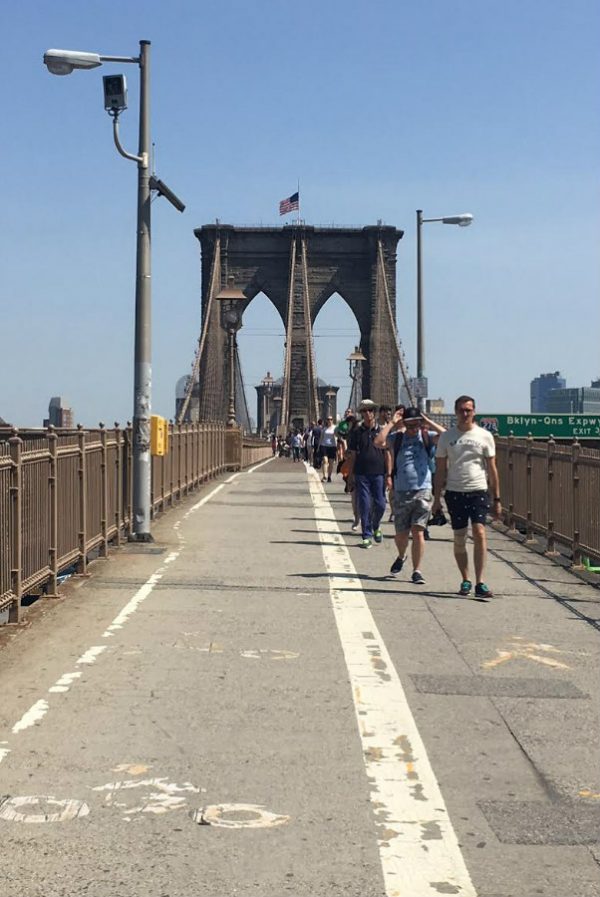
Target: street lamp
x: 277, y: 401
x: 63, y: 62
x: 329, y: 395
x: 267, y: 392
x: 231, y: 321
x: 355, y: 361
x: 462, y: 221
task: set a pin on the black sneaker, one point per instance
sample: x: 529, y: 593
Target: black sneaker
x: 417, y: 578
x: 483, y: 592
x: 397, y: 566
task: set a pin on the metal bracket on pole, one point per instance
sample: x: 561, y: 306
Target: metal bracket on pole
x: 142, y: 160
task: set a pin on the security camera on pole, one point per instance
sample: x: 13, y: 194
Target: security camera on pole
x: 63, y: 62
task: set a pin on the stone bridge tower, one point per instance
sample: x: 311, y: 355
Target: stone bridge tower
x: 299, y: 267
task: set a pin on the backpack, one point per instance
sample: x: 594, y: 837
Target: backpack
x: 429, y: 448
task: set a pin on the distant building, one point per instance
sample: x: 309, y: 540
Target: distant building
x: 434, y: 406
x: 541, y: 387
x: 574, y: 400
x: 59, y: 414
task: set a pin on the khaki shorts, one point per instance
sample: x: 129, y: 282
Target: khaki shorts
x: 411, y: 509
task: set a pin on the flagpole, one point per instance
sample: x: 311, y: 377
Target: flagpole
x: 298, y: 201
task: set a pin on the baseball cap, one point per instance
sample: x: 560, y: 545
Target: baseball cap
x: 412, y: 413
x: 367, y: 405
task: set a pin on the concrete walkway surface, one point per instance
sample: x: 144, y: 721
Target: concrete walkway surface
x: 252, y: 706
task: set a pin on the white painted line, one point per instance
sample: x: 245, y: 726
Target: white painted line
x: 65, y: 682
x: 132, y: 605
x: 260, y: 464
x: 32, y: 716
x: 418, y: 847
x: 41, y: 707
x: 91, y: 655
x: 204, y: 500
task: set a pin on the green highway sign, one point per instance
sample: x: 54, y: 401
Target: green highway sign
x: 541, y: 426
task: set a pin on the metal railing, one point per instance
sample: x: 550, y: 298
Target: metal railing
x: 65, y: 496
x: 552, y: 491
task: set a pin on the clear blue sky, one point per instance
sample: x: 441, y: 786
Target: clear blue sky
x: 379, y: 108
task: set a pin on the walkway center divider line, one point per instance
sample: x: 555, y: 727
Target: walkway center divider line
x: 40, y: 708
x: 418, y: 847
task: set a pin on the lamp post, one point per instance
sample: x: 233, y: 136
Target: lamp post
x: 231, y: 321
x: 267, y: 384
x: 462, y: 221
x: 329, y: 395
x: 277, y: 401
x: 64, y: 62
x: 355, y: 362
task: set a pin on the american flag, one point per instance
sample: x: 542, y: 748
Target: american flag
x: 291, y: 204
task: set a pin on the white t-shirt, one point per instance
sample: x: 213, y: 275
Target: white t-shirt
x: 466, y: 452
x: 328, y: 437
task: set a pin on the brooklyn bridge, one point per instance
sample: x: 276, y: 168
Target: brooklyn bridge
x: 298, y: 268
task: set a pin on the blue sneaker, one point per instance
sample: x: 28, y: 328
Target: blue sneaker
x: 483, y: 592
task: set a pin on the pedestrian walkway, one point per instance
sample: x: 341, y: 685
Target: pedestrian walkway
x: 252, y: 706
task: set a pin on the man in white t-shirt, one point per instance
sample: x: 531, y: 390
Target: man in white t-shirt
x: 466, y: 469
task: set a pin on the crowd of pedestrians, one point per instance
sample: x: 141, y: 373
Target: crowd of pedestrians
x: 404, y: 457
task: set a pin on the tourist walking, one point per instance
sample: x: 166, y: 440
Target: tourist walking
x: 297, y: 442
x: 367, y: 464
x: 328, y: 448
x: 466, y: 469
x: 410, y: 437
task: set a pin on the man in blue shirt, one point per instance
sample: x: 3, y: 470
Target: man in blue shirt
x: 412, y: 450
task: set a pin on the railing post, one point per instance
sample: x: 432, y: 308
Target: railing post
x: 163, y: 465
x: 511, y: 483
x: 129, y: 475
x: 118, y: 485
x: 202, y: 450
x: 186, y: 455
x: 550, y: 540
x: 575, y: 450
x: 179, y: 438
x: 16, y: 547
x: 81, y: 471
x: 172, y: 464
x: 529, y: 537
x: 52, y: 591
x: 103, y: 492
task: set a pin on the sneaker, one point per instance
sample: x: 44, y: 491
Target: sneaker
x: 465, y: 588
x: 417, y: 578
x: 426, y: 535
x: 483, y: 591
x: 366, y: 543
x: 378, y: 535
x: 397, y: 566
x: 329, y: 479
x: 391, y: 518
x: 355, y: 526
